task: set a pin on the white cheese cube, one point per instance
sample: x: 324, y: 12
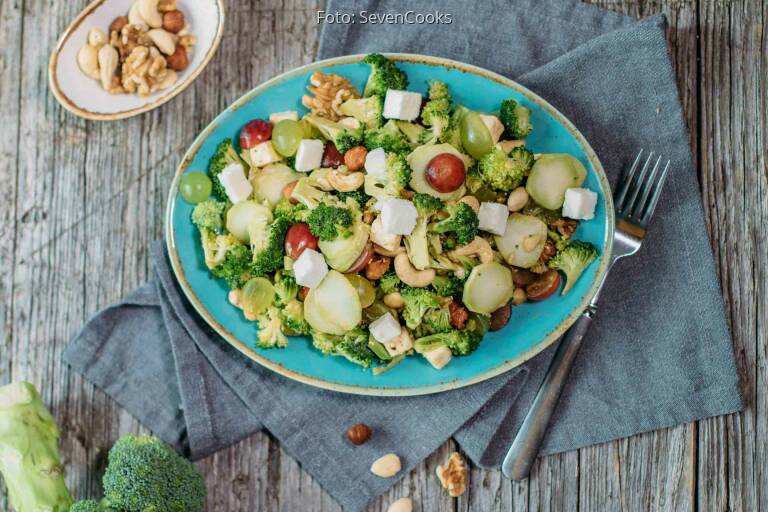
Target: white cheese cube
x: 382, y: 239
x: 398, y: 217
x: 276, y: 117
x: 493, y: 217
x: 385, y: 328
x: 402, y: 105
x: 310, y: 268
x: 349, y: 122
x: 376, y: 162
x: 235, y: 184
x: 309, y: 156
x: 494, y: 126
x: 579, y: 203
x: 438, y: 357
x: 264, y: 154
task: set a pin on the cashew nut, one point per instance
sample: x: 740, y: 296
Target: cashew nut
x: 88, y: 60
x: 409, y: 275
x: 108, y: 60
x: 345, y: 182
x: 478, y: 246
x: 97, y: 38
x: 149, y: 12
x: 517, y: 199
x: 393, y: 300
x: 472, y: 202
x: 163, y: 40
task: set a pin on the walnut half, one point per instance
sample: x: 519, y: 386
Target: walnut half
x: 328, y: 93
x: 453, y: 475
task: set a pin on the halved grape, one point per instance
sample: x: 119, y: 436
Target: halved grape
x: 286, y: 136
x: 475, y: 136
x: 256, y: 296
x: 195, y: 187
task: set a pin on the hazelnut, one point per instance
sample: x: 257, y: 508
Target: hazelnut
x: 359, y: 433
x: 377, y: 267
x: 118, y: 24
x: 459, y: 315
x: 178, y: 61
x: 173, y: 21
x: 354, y: 158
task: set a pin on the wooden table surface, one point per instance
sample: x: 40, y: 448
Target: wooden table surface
x: 80, y: 202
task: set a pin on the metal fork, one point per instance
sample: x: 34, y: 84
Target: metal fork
x: 635, y: 201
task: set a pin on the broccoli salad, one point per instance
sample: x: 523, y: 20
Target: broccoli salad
x: 384, y: 225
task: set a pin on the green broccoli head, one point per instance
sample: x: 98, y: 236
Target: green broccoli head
x: 89, y: 506
x: 225, y: 155
x: 286, y: 288
x: 323, y: 342
x: 307, y: 193
x: 503, y: 172
x: 354, y: 346
x: 369, y: 111
x: 270, y: 333
x: 462, y: 222
x: 447, y: 286
x: 292, y: 317
x: 515, y: 118
x: 270, y: 256
x: 435, y: 320
x: 572, y: 260
x: 359, y: 196
x: 209, y: 215
x: 395, y: 180
x: 427, y: 204
x: 417, y: 301
x: 390, y: 283
x: 292, y: 212
x: 436, y: 113
x: 328, y: 222
x: 459, y: 342
x: 389, y: 137
x: 145, y: 474
x: 384, y: 75
x: 226, y: 257
x: 343, y: 137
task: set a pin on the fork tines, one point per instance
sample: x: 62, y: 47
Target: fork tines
x: 638, y: 193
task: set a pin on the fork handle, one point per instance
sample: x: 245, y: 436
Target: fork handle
x: 525, y: 448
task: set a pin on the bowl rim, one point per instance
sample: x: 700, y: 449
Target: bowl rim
x: 505, y: 366
x: 177, y: 89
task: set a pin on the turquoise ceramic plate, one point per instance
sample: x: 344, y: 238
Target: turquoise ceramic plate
x: 533, y: 326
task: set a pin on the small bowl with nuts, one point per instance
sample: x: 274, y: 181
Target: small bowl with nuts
x: 120, y: 58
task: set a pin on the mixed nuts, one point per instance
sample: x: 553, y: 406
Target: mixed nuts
x: 143, y: 52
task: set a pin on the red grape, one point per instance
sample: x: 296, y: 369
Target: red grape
x: 255, y: 132
x: 331, y: 156
x: 298, y: 238
x: 445, y: 172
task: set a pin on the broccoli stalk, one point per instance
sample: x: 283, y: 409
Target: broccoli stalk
x: 329, y: 222
x: 572, y: 260
x: 389, y: 137
x: 515, y: 118
x: 459, y: 342
x: 384, y: 75
x: 366, y: 110
x: 225, y: 155
x: 270, y: 333
x: 209, y: 215
x: 505, y: 172
x: 343, y: 137
x: 462, y: 222
x: 397, y: 177
x: 29, y: 451
x: 436, y: 113
x: 417, y: 301
x: 145, y: 474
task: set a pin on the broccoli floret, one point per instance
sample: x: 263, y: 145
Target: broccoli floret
x: 353, y: 345
x: 515, y: 118
x: 323, y: 342
x: 572, y: 261
x: 329, y: 222
x: 270, y: 254
x: 460, y: 342
x: 388, y: 137
x: 426, y: 204
x: 435, y: 320
x: 395, y: 180
x: 359, y: 196
x: 462, y: 222
x: 436, y: 113
x: 89, y: 506
x: 447, y: 286
x: 343, y: 137
x: 145, y: 474
x: 417, y: 302
x: 292, y: 212
x: 384, y: 75
x: 225, y: 155
x: 209, y: 215
x: 286, y: 288
x: 366, y: 110
x: 503, y: 172
x: 390, y: 283
x: 307, y: 193
x: 226, y: 257
x: 270, y: 333
x: 292, y: 317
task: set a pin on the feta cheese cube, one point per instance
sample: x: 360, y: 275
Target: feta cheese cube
x: 349, y: 122
x: 398, y: 217
x: 382, y: 239
x: 264, y: 154
x: 309, y: 156
x: 400, y: 343
x: 579, y: 203
x: 376, y: 162
x: 493, y: 217
x: 402, y: 105
x: 310, y: 268
x: 385, y: 328
x: 276, y: 117
x: 494, y: 126
x: 235, y: 184
x: 438, y: 357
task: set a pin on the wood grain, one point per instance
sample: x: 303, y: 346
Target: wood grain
x: 80, y: 202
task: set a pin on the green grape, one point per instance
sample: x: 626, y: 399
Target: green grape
x: 475, y: 136
x: 195, y: 187
x: 286, y: 136
x: 365, y: 290
x: 256, y: 296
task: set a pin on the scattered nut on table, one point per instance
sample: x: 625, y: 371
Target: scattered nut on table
x: 359, y: 433
x: 401, y: 505
x: 386, y: 466
x: 453, y: 475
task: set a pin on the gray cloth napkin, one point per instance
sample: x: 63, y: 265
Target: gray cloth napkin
x: 658, y: 354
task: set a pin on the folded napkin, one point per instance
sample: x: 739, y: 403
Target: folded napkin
x: 658, y: 353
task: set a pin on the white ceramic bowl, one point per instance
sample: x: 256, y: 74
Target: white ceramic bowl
x: 84, y: 96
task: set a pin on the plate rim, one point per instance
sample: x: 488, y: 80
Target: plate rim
x: 505, y: 366
x: 177, y: 89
